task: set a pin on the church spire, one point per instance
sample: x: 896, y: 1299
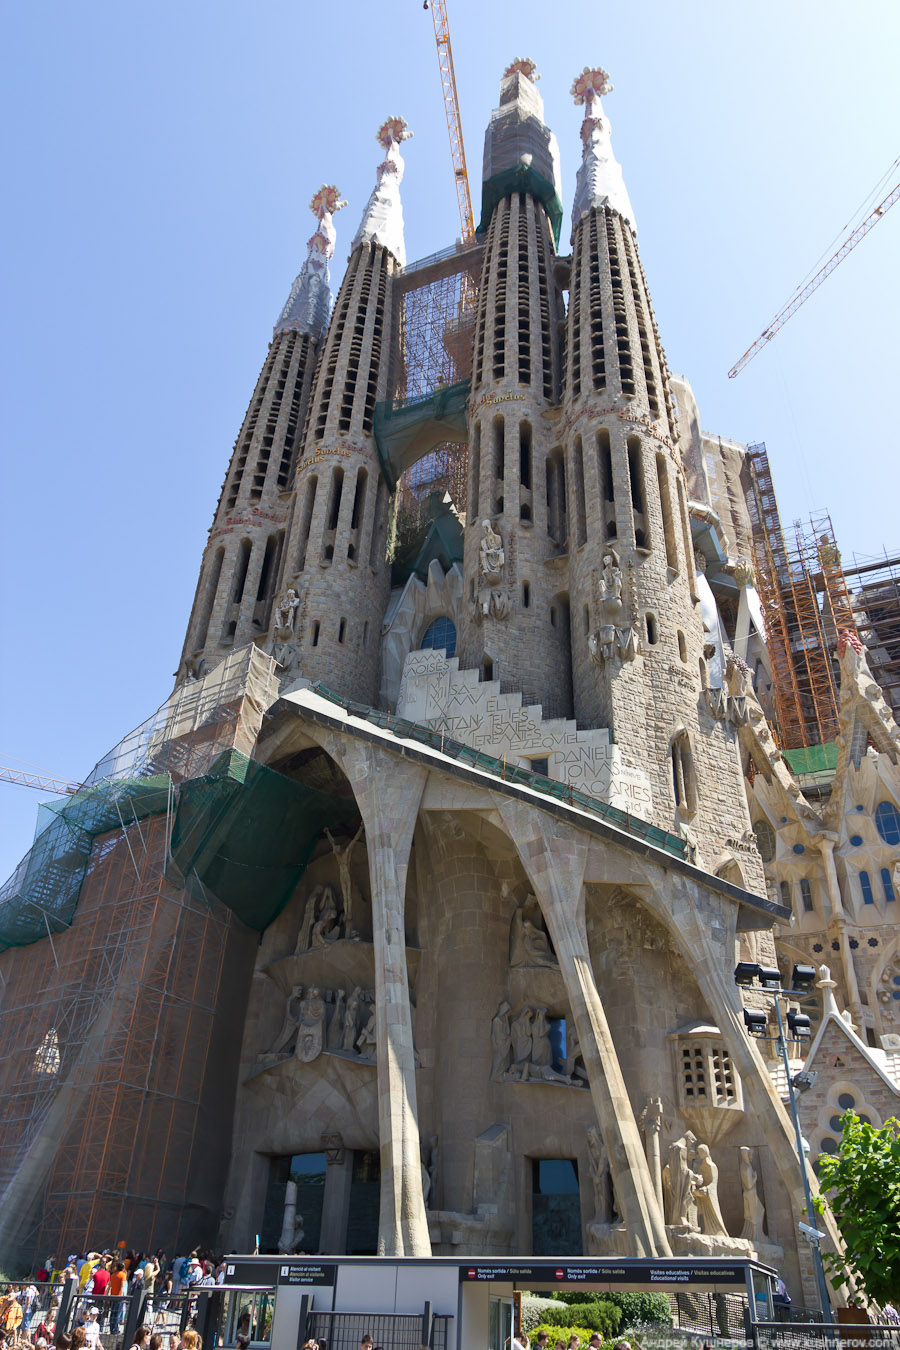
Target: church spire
x: 382, y: 221
x: 308, y: 307
x: 599, y: 181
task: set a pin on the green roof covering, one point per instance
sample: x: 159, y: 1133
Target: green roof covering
x: 813, y: 758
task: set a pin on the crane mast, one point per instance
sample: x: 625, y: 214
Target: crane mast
x: 454, y: 122
x: 801, y: 296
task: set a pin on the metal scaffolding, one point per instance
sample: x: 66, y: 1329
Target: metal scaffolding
x: 436, y: 299
x: 806, y: 604
x: 111, y: 1009
x: 875, y: 596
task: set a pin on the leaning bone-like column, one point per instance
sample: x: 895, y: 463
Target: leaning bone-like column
x: 389, y: 807
x: 555, y: 864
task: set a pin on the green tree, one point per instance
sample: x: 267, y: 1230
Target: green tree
x: 863, y: 1184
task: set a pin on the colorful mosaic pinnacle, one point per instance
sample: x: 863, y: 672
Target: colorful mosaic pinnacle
x: 522, y: 65
x: 327, y: 200
x: 593, y: 80
x: 393, y: 130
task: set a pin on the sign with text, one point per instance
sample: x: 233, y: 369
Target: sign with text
x: 306, y: 1274
x: 640, y: 1274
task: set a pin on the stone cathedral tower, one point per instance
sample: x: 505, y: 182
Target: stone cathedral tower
x: 464, y: 827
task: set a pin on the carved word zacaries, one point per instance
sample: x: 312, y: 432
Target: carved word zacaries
x: 437, y: 694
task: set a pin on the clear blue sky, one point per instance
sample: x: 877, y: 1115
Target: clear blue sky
x: 159, y: 158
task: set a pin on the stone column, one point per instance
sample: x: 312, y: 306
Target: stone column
x: 555, y: 865
x: 837, y: 926
x: 389, y: 804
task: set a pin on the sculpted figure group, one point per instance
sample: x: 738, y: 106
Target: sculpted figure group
x: 325, y: 1020
x: 522, y: 1052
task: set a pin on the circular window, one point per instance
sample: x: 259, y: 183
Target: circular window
x: 887, y: 822
x: 836, y: 1123
x: 829, y: 1145
x: 846, y: 1101
x: 798, y: 848
x: 856, y: 840
x: 864, y: 1120
x: 765, y: 839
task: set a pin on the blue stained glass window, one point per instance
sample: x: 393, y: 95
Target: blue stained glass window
x: 441, y: 632
x: 888, y: 884
x: 806, y: 894
x: 887, y: 821
x: 865, y: 886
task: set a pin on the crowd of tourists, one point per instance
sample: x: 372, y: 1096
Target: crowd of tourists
x: 102, y: 1282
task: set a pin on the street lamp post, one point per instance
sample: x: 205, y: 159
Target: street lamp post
x: 802, y: 979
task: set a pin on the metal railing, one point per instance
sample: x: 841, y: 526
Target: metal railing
x: 393, y: 1331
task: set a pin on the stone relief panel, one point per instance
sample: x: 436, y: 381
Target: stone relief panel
x: 523, y: 1049
x: 436, y: 693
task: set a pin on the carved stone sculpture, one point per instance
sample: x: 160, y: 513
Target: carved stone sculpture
x: 520, y: 1034
x: 614, y: 635
x: 754, y: 1210
x: 365, y: 1041
x: 651, y: 1124
x: 501, y: 1042
x: 491, y: 556
x: 706, y: 1194
x: 342, y: 858
x: 292, y: 1223
x: 716, y: 701
x: 528, y: 942
x: 678, y: 1181
x: 325, y: 929
x: 351, y: 1020
x: 310, y: 911
x: 311, y: 1029
x: 601, y: 1178
x: 284, y: 613
x: 336, y: 1025
x: 284, y: 1041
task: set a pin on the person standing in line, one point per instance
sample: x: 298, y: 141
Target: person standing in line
x: 29, y: 1305
x: 101, y: 1289
x: 141, y: 1339
x: 118, y: 1287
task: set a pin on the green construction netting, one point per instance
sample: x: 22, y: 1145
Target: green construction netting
x: 43, y: 891
x: 520, y: 179
x: 813, y: 759
x: 247, y: 832
x: 405, y: 430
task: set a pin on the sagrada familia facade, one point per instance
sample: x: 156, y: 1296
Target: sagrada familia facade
x: 519, y: 793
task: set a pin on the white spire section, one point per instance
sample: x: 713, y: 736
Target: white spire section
x: 599, y: 181
x: 382, y: 221
x: 308, y: 307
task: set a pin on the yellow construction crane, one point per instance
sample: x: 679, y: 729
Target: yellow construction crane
x: 804, y: 292
x: 454, y: 122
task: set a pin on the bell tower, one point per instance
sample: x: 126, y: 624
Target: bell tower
x: 244, y: 552
x: 638, y: 664
x: 515, y: 622
x: 336, y: 578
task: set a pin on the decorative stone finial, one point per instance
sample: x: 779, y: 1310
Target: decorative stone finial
x: 590, y: 84
x: 523, y: 65
x: 600, y: 181
x: 382, y: 221
x: 848, y: 638
x: 308, y: 306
